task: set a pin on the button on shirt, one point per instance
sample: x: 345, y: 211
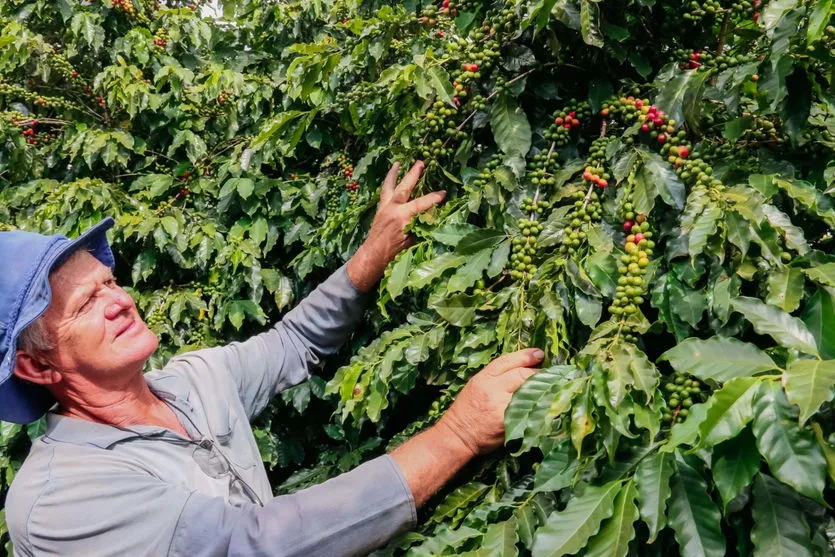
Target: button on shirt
x: 92, y: 489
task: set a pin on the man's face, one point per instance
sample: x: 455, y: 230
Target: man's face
x: 95, y: 326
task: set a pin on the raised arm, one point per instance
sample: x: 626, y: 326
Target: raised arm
x: 283, y: 356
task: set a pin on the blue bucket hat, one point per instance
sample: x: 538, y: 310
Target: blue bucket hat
x: 24, y: 296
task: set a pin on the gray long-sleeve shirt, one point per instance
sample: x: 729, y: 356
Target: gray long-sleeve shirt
x: 92, y: 490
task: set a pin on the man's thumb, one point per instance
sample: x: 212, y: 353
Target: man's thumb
x: 516, y: 377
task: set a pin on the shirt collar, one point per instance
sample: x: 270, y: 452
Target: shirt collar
x: 82, y: 432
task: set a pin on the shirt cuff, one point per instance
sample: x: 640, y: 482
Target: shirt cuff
x: 407, y: 492
x: 342, y: 277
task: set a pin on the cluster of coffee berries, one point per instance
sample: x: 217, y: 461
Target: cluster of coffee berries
x: 736, y: 8
x: 341, y: 182
x: 198, y: 334
x: 586, y: 209
x: 35, y: 134
x: 595, y: 172
x: 346, y: 169
x: 478, y: 102
x: 689, y: 59
x: 62, y: 65
x: 439, y: 122
x: 486, y: 174
x: 542, y: 167
x: 165, y: 206
x: 480, y: 287
x: 681, y: 392
x: 360, y: 92
x: 691, y: 167
x: 523, y: 250
x: 334, y: 197
x: 156, y: 319
x: 721, y: 62
x: 661, y: 131
x: 161, y: 38
x: 762, y: 129
x: 569, y: 118
x: 29, y: 135
x: 125, y: 6
x: 535, y: 207
x: 225, y: 96
x: 699, y: 171
x: 29, y: 96
x: 828, y: 38
x: 452, y: 8
x: 429, y: 16
x: 502, y: 20
x: 615, y: 106
x: 638, y: 247
x: 352, y: 188
x: 656, y: 126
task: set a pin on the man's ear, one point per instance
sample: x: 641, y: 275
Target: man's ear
x: 35, y: 370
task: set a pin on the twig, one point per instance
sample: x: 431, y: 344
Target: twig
x: 587, y: 198
x: 494, y: 93
x: 720, y: 46
x: 53, y: 121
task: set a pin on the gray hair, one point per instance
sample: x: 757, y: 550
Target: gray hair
x: 35, y: 338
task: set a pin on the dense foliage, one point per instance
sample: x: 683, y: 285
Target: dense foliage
x: 642, y: 188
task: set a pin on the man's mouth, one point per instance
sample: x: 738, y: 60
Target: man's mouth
x: 127, y: 328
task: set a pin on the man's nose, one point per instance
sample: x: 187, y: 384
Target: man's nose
x: 119, y: 301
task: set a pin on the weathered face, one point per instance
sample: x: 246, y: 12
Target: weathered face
x: 94, y: 324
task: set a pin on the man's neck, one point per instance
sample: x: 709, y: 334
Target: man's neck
x: 129, y: 404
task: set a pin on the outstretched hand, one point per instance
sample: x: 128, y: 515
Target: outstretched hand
x: 477, y: 415
x: 388, y: 236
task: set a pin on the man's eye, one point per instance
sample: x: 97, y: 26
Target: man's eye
x: 88, y: 304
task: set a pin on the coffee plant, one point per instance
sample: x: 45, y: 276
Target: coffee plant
x: 641, y: 188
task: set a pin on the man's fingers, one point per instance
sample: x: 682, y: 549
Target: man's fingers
x: 522, y: 358
x: 515, y: 377
x: 390, y: 183
x: 403, y: 191
x: 421, y: 204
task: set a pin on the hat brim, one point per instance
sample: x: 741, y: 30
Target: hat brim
x: 22, y: 402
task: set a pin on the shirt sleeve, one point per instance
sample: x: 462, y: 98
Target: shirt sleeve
x: 349, y: 515
x: 136, y: 514
x: 283, y: 356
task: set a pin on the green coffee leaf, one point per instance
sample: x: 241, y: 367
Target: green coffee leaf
x: 458, y: 310
x: 567, y: 532
x: 823, y: 274
x: 791, y: 452
x: 693, y: 515
x: 499, y: 540
x: 819, y: 317
x: 728, y: 411
x: 735, y: 463
x: 783, y: 328
x: 478, y: 240
x: 785, y: 288
x: 653, y: 483
x: 780, y: 530
x: 809, y: 383
x: 613, y: 539
x: 511, y: 128
x: 718, y: 358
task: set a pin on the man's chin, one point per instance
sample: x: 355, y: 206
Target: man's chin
x: 143, y: 342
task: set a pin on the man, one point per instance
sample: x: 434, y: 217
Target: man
x: 166, y: 463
